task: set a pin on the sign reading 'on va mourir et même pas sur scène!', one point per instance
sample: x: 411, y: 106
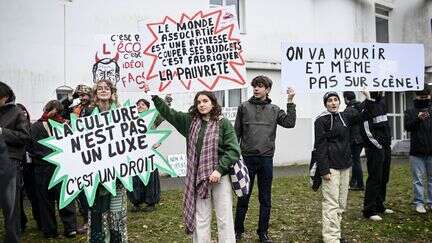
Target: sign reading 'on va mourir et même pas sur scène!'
x: 104, y: 147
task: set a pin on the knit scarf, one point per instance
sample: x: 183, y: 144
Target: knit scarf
x: 200, y: 165
x: 57, y: 118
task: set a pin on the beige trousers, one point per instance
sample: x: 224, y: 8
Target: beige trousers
x: 335, y: 193
x: 221, y: 200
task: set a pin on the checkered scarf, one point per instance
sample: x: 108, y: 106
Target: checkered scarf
x: 200, y: 164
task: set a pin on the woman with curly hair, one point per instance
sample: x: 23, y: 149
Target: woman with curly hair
x: 212, y: 148
x: 107, y: 216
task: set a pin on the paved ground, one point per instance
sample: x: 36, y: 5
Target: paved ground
x: 169, y: 183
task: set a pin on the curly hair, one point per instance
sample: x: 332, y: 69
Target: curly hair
x: 113, y: 99
x: 216, y: 111
x: 263, y: 80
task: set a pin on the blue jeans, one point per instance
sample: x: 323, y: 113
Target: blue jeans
x: 262, y: 167
x: 421, y: 167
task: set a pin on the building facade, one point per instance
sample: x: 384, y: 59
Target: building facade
x: 45, y: 49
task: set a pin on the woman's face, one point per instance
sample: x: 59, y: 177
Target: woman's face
x: 103, y: 91
x: 25, y: 114
x: 204, y: 105
x: 332, y: 104
x: 141, y: 106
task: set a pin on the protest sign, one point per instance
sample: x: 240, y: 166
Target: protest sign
x: 179, y: 164
x: 353, y: 66
x: 119, y: 58
x: 203, y: 51
x: 104, y: 147
x: 229, y: 113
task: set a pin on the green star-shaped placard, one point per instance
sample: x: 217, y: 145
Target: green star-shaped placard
x: 103, y: 147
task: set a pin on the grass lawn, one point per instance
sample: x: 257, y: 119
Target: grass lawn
x: 296, y: 216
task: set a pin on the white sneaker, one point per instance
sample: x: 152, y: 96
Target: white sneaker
x: 375, y: 218
x: 388, y: 211
x: 420, y: 208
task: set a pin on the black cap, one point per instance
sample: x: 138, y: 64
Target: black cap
x: 328, y: 95
x: 349, y: 95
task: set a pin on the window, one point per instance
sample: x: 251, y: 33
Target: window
x: 238, y: 5
x: 396, y: 104
x: 231, y: 98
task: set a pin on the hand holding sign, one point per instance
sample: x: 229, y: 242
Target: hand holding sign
x: 291, y: 94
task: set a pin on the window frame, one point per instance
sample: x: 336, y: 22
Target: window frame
x: 240, y: 13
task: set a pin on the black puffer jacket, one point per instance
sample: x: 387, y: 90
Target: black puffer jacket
x: 37, y: 151
x: 14, y: 130
x: 421, y: 132
x: 355, y: 130
x: 332, y: 141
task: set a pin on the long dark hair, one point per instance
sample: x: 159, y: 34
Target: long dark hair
x: 22, y: 107
x: 6, y: 91
x: 214, y: 113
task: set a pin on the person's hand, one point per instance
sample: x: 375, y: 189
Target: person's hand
x: 366, y: 94
x: 326, y: 177
x: 145, y: 87
x: 423, y: 115
x: 215, y: 177
x: 168, y: 98
x: 75, y: 95
x: 156, y: 145
x: 291, y: 94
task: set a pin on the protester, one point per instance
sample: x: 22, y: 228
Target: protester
x: 356, y: 182
x: 419, y: 123
x: 150, y: 193
x: 84, y: 93
x: 108, y: 215
x: 333, y: 154
x: 14, y: 134
x: 255, y: 126
x: 376, y: 131
x: 212, y: 149
x: 28, y: 177
x: 44, y: 170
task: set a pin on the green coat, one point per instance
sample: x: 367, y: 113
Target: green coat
x: 228, y: 149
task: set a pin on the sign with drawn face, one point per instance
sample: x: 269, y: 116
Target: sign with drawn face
x: 101, y: 148
x: 352, y: 66
x: 119, y: 58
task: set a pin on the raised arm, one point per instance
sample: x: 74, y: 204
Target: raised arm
x: 180, y: 120
x: 288, y: 119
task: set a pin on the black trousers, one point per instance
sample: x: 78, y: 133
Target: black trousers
x: 378, y: 166
x: 149, y: 194
x: 357, y: 171
x: 30, y: 190
x: 47, y: 203
x: 262, y: 167
x: 10, y: 176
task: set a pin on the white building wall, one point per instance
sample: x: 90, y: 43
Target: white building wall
x: 32, y: 46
